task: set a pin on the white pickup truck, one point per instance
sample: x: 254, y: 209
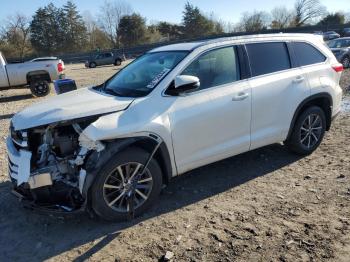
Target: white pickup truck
x: 37, y: 75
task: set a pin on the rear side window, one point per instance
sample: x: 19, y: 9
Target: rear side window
x: 216, y: 67
x: 268, y: 58
x: 307, y: 54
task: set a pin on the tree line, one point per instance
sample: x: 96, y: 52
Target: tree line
x: 56, y: 30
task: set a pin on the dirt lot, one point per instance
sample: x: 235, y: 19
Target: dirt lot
x: 265, y: 205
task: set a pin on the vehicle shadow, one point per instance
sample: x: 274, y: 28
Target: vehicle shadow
x: 41, y: 237
x: 15, y: 98
x: 6, y: 116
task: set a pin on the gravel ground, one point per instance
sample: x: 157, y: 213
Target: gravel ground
x: 263, y: 205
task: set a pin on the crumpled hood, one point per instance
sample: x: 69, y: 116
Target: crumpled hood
x: 80, y: 103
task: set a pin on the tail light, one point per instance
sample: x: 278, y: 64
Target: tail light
x: 338, y: 68
x: 59, y: 67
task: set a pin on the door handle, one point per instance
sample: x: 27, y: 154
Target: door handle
x: 240, y: 96
x: 299, y: 79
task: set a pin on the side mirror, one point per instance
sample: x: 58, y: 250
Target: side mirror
x: 183, y: 83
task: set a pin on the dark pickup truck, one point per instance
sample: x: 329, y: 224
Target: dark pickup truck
x: 106, y: 58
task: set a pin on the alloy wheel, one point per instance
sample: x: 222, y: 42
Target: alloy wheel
x: 311, y: 131
x: 40, y: 88
x: 119, y: 183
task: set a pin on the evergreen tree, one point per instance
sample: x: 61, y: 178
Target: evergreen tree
x: 171, y: 31
x: 47, y: 30
x: 132, y: 30
x: 74, y: 27
x: 333, y: 19
x: 196, y: 24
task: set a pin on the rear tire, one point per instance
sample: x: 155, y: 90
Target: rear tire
x: 117, y: 62
x: 109, y: 189
x: 308, y: 131
x: 92, y: 65
x: 40, y: 88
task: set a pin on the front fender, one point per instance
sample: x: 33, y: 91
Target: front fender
x: 96, y: 160
x: 132, y: 123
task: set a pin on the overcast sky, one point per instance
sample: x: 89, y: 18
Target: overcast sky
x: 169, y: 10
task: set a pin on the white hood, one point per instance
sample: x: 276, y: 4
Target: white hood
x: 80, y: 103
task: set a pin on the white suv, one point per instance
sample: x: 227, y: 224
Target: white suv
x: 110, y: 148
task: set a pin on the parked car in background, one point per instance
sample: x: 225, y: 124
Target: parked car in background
x: 341, y: 50
x: 111, y: 148
x: 330, y: 35
x: 346, y: 31
x: 107, y: 58
x: 36, y: 75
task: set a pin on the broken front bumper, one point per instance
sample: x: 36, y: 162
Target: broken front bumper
x: 30, y: 187
x: 19, y: 163
x: 19, y: 168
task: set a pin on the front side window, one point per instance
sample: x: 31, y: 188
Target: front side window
x: 140, y: 77
x: 266, y: 58
x: 307, y: 54
x: 216, y: 67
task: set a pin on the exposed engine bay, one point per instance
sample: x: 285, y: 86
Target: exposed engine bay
x: 57, y: 167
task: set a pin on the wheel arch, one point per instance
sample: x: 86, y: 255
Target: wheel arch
x: 38, y: 75
x: 323, y: 100
x: 96, y: 160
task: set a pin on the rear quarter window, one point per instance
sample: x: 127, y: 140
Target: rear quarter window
x: 268, y: 58
x: 307, y: 54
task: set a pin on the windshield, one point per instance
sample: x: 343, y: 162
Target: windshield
x: 140, y: 77
x: 339, y: 43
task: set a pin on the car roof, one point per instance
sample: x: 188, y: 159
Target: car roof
x: 190, y: 46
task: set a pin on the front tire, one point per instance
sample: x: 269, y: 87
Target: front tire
x: 308, y: 131
x: 109, y: 191
x: 40, y: 88
x: 92, y: 65
x: 117, y: 62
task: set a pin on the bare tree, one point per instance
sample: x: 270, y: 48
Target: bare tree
x: 16, y: 32
x: 97, y: 39
x: 347, y: 17
x: 91, y: 26
x: 281, y: 17
x: 254, y: 22
x: 307, y: 10
x: 110, y: 15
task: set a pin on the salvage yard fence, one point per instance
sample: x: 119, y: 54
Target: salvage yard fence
x: 133, y: 52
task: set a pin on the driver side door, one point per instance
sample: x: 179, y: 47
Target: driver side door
x: 213, y: 122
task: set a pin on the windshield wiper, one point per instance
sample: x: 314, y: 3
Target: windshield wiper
x: 112, y: 92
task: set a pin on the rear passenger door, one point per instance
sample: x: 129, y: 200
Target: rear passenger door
x: 108, y: 59
x: 278, y: 86
x: 104, y: 59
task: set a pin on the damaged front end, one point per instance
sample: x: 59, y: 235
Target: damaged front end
x: 47, y: 165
